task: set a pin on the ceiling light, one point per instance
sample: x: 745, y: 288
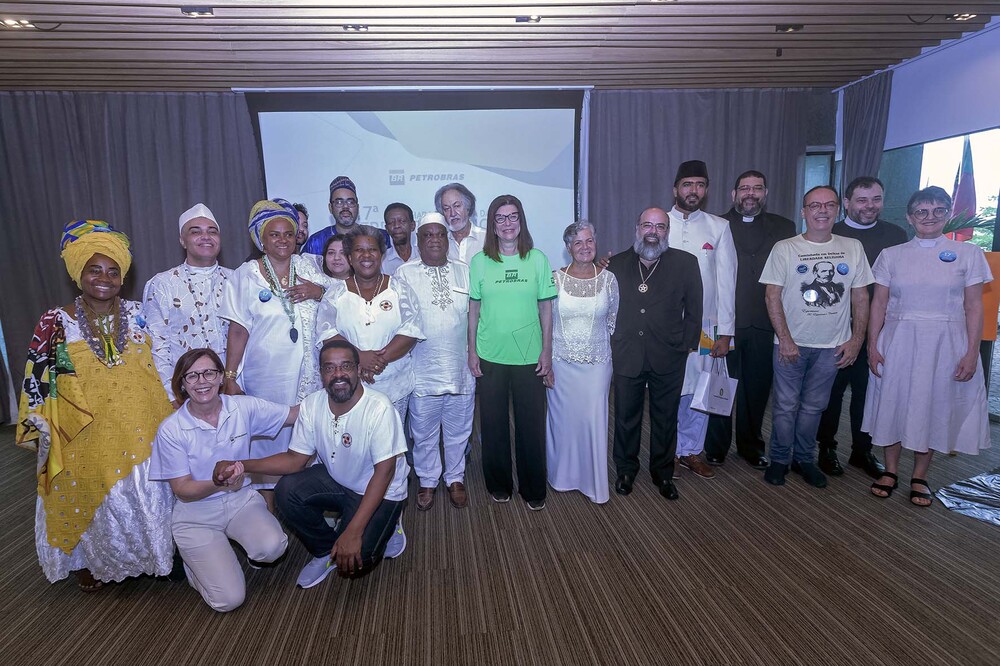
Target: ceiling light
x: 17, y: 24
x: 788, y: 27
x: 355, y: 27
x: 197, y: 12
x: 960, y: 17
x: 534, y: 18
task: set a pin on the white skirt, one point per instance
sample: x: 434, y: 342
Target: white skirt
x: 576, y: 441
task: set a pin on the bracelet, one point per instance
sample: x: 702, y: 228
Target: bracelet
x: 230, y: 374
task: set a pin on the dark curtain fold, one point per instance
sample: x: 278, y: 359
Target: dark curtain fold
x: 136, y: 160
x: 866, y: 117
x: 638, y: 138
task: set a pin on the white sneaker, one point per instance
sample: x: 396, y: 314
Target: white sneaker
x: 315, y: 571
x: 397, y: 542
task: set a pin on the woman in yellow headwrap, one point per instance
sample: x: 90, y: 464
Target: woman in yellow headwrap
x: 90, y: 406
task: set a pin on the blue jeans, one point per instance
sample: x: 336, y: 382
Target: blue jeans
x: 801, y: 392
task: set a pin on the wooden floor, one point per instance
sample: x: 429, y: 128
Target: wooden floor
x: 736, y: 572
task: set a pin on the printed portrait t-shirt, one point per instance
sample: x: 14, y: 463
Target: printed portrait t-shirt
x: 817, y: 279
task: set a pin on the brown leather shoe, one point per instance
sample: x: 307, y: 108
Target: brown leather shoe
x: 456, y: 493
x: 694, y: 463
x: 425, y: 498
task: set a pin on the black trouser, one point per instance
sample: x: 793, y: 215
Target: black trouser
x: 749, y: 362
x: 664, y: 398
x: 303, y: 497
x: 499, y: 384
x: 855, y: 376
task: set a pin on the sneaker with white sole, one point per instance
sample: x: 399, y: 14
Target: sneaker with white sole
x: 315, y: 571
x: 397, y: 542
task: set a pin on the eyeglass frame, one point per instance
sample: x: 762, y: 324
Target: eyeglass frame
x: 345, y: 366
x: 186, y: 377
x: 930, y: 213
x: 500, y: 218
x: 816, y: 206
x: 351, y: 202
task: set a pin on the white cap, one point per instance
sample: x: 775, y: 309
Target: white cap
x: 432, y: 218
x: 195, y: 211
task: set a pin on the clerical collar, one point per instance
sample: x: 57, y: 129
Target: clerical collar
x: 749, y: 219
x: 856, y: 225
x: 929, y: 242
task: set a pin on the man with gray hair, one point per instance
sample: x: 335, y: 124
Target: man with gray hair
x: 458, y: 206
x: 659, y: 319
x: 180, y: 305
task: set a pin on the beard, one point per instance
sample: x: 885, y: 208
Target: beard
x: 340, y: 394
x: 650, y: 250
x: 689, y: 203
x: 750, y: 206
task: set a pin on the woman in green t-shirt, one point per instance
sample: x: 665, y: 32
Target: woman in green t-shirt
x: 510, y: 350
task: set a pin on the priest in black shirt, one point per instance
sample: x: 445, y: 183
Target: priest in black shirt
x: 862, y: 206
x: 755, y: 232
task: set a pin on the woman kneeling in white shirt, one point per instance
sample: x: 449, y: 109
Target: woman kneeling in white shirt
x: 209, y: 426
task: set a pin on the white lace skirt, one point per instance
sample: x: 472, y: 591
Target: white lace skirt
x: 129, y: 535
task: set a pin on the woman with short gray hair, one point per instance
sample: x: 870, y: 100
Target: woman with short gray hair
x: 583, y: 319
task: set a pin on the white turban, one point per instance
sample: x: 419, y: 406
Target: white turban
x: 195, y: 211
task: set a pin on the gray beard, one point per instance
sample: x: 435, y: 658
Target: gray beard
x: 650, y: 251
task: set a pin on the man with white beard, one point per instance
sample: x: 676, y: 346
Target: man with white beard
x: 458, y: 205
x: 659, y: 319
x: 709, y: 240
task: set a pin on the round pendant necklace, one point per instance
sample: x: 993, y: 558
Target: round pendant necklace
x: 643, y: 287
x: 369, y: 311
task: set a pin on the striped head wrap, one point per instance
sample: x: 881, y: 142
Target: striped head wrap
x: 82, y: 239
x: 266, y: 210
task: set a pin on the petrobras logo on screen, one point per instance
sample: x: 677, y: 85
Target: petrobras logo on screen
x: 399, y: 177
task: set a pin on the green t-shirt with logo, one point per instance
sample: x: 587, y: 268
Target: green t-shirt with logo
x: 509, y: 290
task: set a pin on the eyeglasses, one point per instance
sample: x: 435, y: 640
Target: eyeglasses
x: 345, y: 202
x: 747, y: 189
x: 209, y: 375
x: 511, y: 217
x: 825, y: 205
x: 346, y: 366
x: 649, y: 226
x: 938, y: 213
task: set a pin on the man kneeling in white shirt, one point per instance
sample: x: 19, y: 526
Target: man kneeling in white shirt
x: 357, y: 436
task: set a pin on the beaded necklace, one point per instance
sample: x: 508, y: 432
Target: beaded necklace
x: 106, y: 334
x: 286, y: 304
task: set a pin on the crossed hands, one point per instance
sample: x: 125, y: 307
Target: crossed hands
x: 228, y: 474
x: 372, y: 363
x: 304, y: 291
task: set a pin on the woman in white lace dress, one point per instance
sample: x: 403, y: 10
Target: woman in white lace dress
x: 583, y: 320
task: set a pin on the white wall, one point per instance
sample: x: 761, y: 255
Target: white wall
x: 949, y: 90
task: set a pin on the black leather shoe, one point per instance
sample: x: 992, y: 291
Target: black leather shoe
x: 775, y: 474
x: 811, y: 474
x: 868, y: 463
x: 623, y: 485
x: 714, y: 461
x: 829, y: 463
x: 668, y: 489
x: 758, y: 462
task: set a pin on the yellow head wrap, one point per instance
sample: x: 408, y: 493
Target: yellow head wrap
x: 82, y: 239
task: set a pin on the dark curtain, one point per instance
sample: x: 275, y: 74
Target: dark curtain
x: 638, y: 138
x: 136, y: 160
x: 866, y: 116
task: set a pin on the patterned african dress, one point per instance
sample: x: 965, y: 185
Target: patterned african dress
x: 92, y: 427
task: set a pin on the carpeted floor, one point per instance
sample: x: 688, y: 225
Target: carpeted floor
x: 736, y: 572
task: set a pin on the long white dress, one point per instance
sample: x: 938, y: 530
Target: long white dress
x: 576, y: 441
x: 917, y: 400
x: 274, y: 367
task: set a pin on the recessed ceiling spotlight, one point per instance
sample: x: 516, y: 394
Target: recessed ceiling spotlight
x: 197, y: 12
x: 788, y: 27
x: 960, y: 17
x: 17, y: 24
x: 355, y: 27
x: 534, y: 18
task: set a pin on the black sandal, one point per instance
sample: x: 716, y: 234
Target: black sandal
x: 884, y: 488
x: 914, y: 494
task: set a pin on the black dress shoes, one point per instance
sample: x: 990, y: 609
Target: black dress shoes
x: 623, y: 485
x: 714, y: 461
x: 868, y: 463
x: 829, y: 463
x: 758, y: 462
x: 667, y: 488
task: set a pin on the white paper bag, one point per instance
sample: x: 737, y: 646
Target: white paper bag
x: 715, y: 392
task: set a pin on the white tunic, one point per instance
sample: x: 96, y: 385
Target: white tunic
x: 370, y: 326
x: 470, y: 246
x: 436, y: 298
x: 180, y: 307
x: 708, y: 238
x: 391, y: 260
